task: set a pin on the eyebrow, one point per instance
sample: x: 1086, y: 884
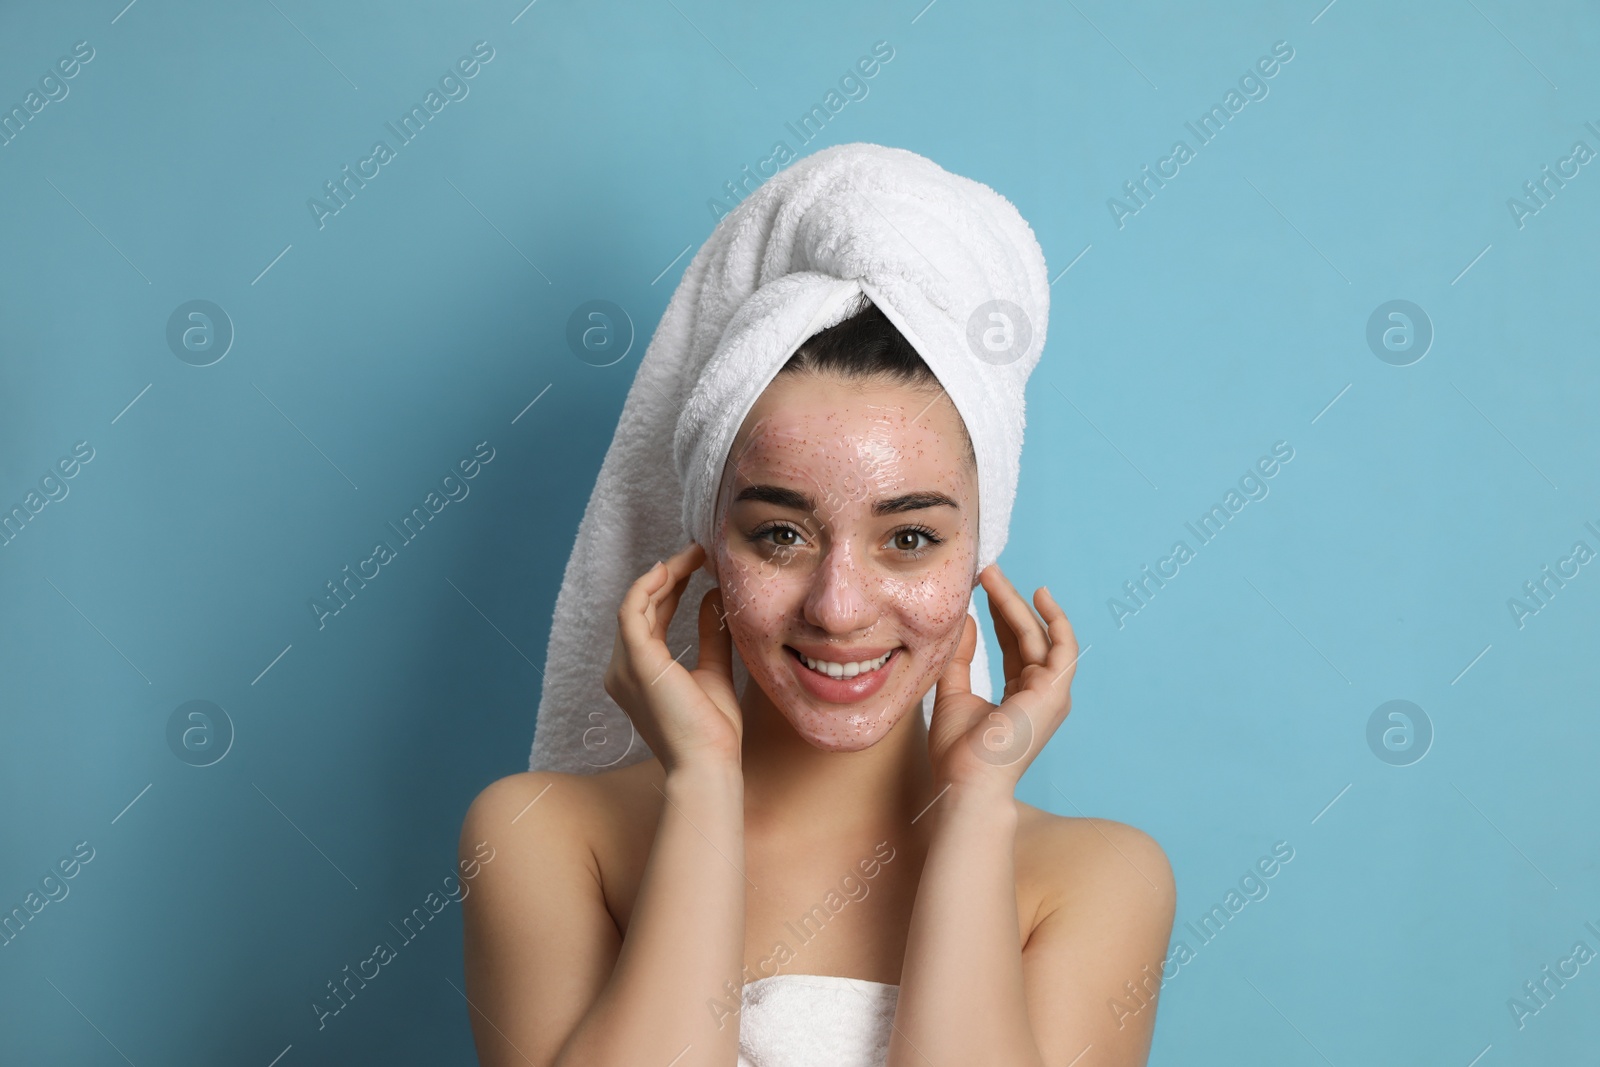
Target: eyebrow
x: 798, y: 501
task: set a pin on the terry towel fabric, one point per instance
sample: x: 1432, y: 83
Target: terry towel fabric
x: 813, y: 1020
x: 949, y: 261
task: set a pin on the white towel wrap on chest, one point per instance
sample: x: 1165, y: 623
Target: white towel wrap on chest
x: 814, y: 1020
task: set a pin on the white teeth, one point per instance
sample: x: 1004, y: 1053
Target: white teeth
x: 845, y: 670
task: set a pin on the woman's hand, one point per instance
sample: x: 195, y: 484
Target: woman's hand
x: 971, y: 741
x: 683, y: 715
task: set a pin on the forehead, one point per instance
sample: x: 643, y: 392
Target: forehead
x: 821, y: 426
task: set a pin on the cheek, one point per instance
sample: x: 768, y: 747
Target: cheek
x: 756, y: 599
x: 934, y: 606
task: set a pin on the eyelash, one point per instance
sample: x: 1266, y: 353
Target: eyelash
x: 759, y: 536
x: 917, y: 553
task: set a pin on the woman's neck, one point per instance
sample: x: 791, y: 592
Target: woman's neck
x: 789, y: 781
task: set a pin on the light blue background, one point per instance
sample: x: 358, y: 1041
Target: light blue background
x: 1226, y: 315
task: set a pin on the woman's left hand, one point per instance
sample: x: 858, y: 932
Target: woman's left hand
x: 970, y: 740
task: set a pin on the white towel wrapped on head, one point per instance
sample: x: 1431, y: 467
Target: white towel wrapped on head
x: 950, y: 262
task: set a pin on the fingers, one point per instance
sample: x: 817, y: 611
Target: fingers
x: 716, y: 640
x: 647, y: 607
x: 1010, y: 655
x: 957, y: 674
x: 1063, y: 659
x: 1033, y: 643
x: 631, y: 624
x: 680, y: 568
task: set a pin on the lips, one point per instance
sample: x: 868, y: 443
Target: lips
x: 866, y: 674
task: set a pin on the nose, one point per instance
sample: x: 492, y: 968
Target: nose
x: 840, y: 600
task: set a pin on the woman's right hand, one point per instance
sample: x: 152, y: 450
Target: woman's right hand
x: 685, y: 716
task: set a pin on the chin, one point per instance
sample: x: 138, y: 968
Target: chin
x: 834, y: 729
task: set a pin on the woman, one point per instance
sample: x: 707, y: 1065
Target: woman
x: 810, y: 871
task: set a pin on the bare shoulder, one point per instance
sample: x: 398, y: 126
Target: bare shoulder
x: 578, y: 807
x: 1084, y: 868
x: 1106, y: 898
x: 536, y: 923
x: 504, y: 805
x: 587, y: 820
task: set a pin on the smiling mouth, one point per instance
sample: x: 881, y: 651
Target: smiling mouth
x: 841, y: 671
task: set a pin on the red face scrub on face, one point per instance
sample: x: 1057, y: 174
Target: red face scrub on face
x: 846, y: 550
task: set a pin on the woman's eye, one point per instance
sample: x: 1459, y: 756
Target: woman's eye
x: 910, y: 540
x: 782, y: 536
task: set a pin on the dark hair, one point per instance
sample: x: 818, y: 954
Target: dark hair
x: 865, y: 344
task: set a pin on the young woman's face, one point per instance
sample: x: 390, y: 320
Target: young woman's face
x: 847, y: 550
